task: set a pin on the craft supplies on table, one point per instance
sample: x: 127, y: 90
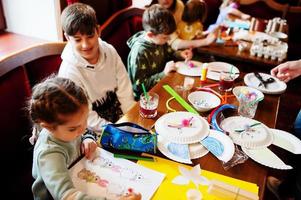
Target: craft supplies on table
x: 182, y: 180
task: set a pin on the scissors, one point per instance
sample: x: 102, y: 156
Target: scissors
x: 262, y: 81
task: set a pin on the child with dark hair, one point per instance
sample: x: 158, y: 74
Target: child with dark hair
x: 95, y: 66
x: 175, y: 41
x: 191, y: 26
x: 61, y: 108
x: 150, y: 53
x: 176, y: 7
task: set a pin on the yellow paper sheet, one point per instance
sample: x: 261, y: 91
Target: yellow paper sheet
x: 169, y: 190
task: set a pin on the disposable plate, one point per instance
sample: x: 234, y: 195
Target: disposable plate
x: 266, y: 157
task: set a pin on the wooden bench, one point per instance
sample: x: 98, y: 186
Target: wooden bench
x: 18, y: 73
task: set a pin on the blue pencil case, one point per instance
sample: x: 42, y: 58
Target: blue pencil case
x: 128, y: 136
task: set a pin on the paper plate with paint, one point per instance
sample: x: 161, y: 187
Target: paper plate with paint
x: 247, y: 132
x: 182, y: 127
x: 266, y: 157
x: 220, y: 145
x: 215, y: 68
x: 269, y: 85
x: 181, y: 152
x: 286, y: 141
x: 190, y: 68
x: 174, y: 151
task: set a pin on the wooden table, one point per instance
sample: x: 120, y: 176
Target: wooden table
x: 230, y: 52
x: 250, y: 170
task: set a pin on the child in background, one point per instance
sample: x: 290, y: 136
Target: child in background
x: 61, y: 108
x: 177, y: 8
x: 228, y: 7
x: 150, y: 53
x: 95, y: 66
x: 191, y: 26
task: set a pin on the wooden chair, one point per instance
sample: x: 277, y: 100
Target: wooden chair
x: 18, y: 72
x: 120, y: 27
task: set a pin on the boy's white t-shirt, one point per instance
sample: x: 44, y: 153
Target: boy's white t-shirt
x: 108, y: 74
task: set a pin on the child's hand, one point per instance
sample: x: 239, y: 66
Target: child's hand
x: 245, y: 16
x: 88, y: 147
x: 131, y: 196
x: 287, y: 71
x: 169, y: 67
x: 187, y: 54
x: 211, y: 37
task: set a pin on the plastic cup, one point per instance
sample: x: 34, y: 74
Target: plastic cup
x: 247, y: 108
x: 148, y: 106
x: 226, y: 81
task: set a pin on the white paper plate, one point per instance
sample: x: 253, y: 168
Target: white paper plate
x: 203, y: 101
x: 184, y: 69
x: 163, y: 148
x: 220, y: 66
x: 266, y: 157
x: 260, y: 136
x: 286, y: 141
x: 276, y: 87
x: 198, y: 130
x: 197, y: 150
x: 226, y: 142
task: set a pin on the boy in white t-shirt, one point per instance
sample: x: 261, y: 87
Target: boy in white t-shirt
x: 95, y: 66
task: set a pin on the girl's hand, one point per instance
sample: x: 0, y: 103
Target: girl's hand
x: 88, y: 147
x: 131, y: 196
x: 210, y: 38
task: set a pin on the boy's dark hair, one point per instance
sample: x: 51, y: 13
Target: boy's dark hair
x: 53, y: 98
x: 79, y: 17
x: 158, y: 20
x: 194, y: 10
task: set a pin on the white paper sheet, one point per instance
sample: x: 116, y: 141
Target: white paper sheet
x: 111, y: 177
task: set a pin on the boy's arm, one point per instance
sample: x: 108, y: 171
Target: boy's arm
x: 124, y: 87
x: 176, y: 43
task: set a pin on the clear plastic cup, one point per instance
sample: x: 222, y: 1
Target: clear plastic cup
x: 148, y: 106
x: 247, y: 108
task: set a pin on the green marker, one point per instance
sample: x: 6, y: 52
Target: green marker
x: 146, y: 158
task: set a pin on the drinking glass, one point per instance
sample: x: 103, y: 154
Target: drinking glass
x: 148, y: 105
x: 226, y: 81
